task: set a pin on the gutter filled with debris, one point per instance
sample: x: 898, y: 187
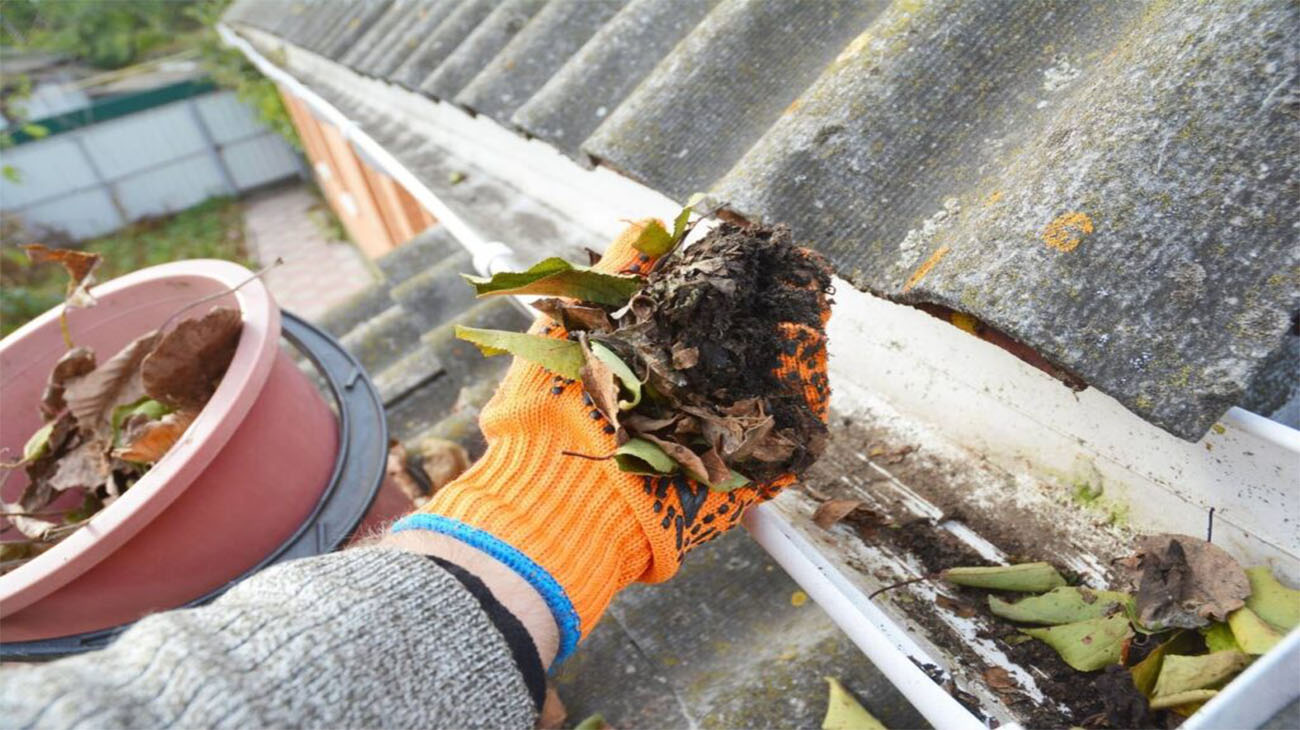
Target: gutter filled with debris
x: 953, y: 454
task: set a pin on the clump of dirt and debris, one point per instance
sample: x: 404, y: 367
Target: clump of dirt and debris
x: 693, y: 361
x: 707, y: 328
x: 107, y: 423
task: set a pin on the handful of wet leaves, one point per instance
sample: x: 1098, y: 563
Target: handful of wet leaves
x: 1195, y: 621
x: 679, y: 355
x: 107, y: 423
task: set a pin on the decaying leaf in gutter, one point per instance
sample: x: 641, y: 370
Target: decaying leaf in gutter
x: 1218, y: 637
x: 1063, y: 605
x: 562, y: 357
x: 1181, y: 673
x: 1251, y: 632
x: 1195, y: 696
x: 1087, y: 645
x: 1146, y: 671
x: 555, y: 277
x: 188, y: 363
x: 593, y: 722
x: 441, y: 460
x: 844, y: 712
x: 80, y: 266
x: 639, y: 456
x: 92, y: 397
x: 75, y: 362
x: 832, y: 511
x: 1272, y: 601
x: 999, y: 680
x: 150, y: 440
x: 1186, y: 582
x: 1024, y: 578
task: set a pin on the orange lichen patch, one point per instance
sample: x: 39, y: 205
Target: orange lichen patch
x: 994, y: 198
x: 794, y: 106
x: 924, y: 268
x: 1067, y: 230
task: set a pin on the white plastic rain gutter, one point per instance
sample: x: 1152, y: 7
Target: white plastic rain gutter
x: 1249, y: 445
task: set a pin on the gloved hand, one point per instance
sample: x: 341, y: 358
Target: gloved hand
x: 580, y: 530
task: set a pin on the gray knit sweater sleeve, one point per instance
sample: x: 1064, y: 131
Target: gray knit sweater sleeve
x: 363, y: 638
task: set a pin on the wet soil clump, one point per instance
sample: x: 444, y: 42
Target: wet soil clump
x: 709, y: 327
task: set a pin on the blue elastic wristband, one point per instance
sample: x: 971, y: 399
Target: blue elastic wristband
x: 566, y: 618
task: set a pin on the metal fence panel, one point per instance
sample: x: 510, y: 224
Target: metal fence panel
x: 86, y: 214
x: 170, y: 188
x: 226, y: 117
x: 140, y: 141
x: 260, y: 160
x: 90, y: 181
x: 48, y: 168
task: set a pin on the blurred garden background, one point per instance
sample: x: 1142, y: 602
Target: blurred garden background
x: 129, y: 130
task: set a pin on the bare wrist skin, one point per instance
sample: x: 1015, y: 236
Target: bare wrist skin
x: 511, y: 590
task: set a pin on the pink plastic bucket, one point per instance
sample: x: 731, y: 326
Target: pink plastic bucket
x: 242, y: 479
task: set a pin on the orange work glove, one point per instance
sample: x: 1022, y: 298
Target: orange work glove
x: 580, y: 530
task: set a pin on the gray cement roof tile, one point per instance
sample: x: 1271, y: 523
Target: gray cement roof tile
x: 480, y: 47
x: 554, y: 34
x: 435, y: 44
x: 569, y: 107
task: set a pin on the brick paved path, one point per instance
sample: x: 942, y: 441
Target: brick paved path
x: 317, y: 272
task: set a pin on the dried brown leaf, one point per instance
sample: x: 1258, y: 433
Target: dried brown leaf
x: 75, y: 362
x: 147, y: 442
x: 575, y: 317
x: 687, y: 459
x: 79, y: 265
x: 715, y: 467
x: 86, y: 466
x: 599, y: 383
x: 685, y: 357
x: 1186, y: 582
x: 828, y: 513
x: 34, y: 528
x: 962, y: 609
x: 999, y: 680
x: 441, y: 460
x: 553, y: 713
x: 92, y: 397
x: 396, y: 474
x: 638, y: 423
x: 188, y: 363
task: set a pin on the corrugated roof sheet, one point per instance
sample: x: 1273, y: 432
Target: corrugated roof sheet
x: 1112, y: 184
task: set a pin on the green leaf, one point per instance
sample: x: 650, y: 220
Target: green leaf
x: 1146, y: 671
x: 559, y: 278
x: 1183, y: 698
x: 654, y: 239
x: 735, y: 481
x: 151, y: 408
x: 1063, y: 605
x: 10, y: 173
x: 562, y: 357
x: 843, y: 712
x: 594, y: 722
x: 679, y: 224
x: 639, y: 456
x: 39, y: 443
x: 621, y: 371
x: 1087, y: 645
x: 1253, y: 635
x: 1218, y: 637
x: 1181, y: 673
x: 1025, y: 578
x: 1272, y: 601
x: 35, y: 131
